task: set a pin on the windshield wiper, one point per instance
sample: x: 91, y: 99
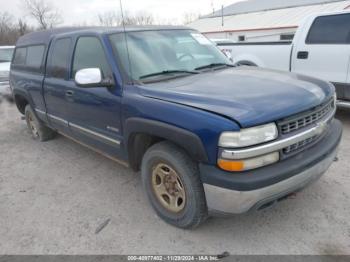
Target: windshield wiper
x: 212, y: 65
x: 166, y: 72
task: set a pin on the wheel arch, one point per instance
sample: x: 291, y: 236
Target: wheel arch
x: 248, y: 59
x: 140, y: 134
x: 21, y: 101
x: 245, y: 63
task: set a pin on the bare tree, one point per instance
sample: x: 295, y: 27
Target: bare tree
x: 7, y: 35
x: 43, y: 12
x: 6, y: 21
x: 143, y: 18
x: 116, y: 19
x: 189, y: 17
x: 11, y: 30
x: 23, y: 27
x: 109, y: 19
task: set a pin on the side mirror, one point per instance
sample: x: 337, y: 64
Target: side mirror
x: 88, y: 77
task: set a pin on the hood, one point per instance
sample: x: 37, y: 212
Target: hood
x: 5, y: 66
x: 247, y: 95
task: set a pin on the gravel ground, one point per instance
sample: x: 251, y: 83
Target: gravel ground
x: 55, y: 197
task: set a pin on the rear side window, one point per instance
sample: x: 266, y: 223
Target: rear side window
x: 29, y: 58
x: 334, y: 29
x: 20, y: 56
x: 60, y: 57
x: 89, y: 53
x: 35, y: 55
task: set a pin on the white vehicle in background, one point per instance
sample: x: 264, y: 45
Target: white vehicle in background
x: 221, y: 43
x: 321, y: 49
x: 5, y: 61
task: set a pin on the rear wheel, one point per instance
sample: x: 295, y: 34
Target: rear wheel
x: 172, y: 183
x: 36, y: 127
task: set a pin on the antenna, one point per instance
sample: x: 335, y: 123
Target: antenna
x: 126, y: 40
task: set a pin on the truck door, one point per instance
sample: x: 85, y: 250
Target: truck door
x: 55, y: 84
x: 325, y: 53
x: 94, y: 112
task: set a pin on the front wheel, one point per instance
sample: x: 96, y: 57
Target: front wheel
x: 173, y: 186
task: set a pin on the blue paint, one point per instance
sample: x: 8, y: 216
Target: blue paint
x: 205, y: 104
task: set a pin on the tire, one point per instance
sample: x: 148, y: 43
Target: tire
x: 190, y: 209
x: 36, y: 127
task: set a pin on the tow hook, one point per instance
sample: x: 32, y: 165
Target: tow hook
x: 336, y: 159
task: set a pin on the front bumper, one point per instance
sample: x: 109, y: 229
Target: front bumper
x: 232, y: 193
x: 5, y: 89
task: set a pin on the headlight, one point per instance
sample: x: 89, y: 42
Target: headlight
x: 249, y: 136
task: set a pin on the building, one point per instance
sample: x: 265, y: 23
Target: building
x: 263, y: 20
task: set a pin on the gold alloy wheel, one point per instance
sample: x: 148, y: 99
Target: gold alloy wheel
x: 32, y: 126
x: 168, y: 188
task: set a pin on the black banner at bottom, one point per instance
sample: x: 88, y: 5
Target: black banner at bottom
x: 223, y: 257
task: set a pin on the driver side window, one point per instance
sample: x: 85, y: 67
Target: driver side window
x: 89, y: 53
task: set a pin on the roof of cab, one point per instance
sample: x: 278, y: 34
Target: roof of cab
x: 44, y: 37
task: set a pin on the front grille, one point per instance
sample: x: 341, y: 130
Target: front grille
x: 302, y: 120
x: 299, y: 146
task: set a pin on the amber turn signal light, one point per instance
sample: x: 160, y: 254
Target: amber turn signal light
x: 229, y: 165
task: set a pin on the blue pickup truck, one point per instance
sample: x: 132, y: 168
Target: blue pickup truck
x: 208, y: 138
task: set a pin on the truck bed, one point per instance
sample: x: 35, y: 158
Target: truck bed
x: 272, y: 55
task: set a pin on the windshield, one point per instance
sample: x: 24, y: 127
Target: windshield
x: 164, y: 52
x: 6, y: 55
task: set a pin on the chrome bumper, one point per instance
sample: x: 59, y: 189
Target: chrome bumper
x: 226, y: 201
x: 5, y: 89
x: 343, y: 104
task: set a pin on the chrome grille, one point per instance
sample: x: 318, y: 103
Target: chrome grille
x: 300, y: 145
x: 305, y: 119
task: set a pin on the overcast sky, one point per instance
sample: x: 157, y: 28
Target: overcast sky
x: 80, y: 11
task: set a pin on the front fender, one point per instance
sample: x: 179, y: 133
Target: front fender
x: 195, y: 130
x: 184, y: 138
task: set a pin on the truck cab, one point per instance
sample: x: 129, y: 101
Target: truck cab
x: 322, y: 49
x: 208, y: 137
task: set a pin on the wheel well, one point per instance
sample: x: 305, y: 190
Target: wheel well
x: 137, y: 146
x: 21, y: 103
x: 245, y: 63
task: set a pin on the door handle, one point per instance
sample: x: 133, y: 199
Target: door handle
x: 69, y: 93
x: 303, y: 55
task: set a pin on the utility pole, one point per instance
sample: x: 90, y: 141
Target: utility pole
x: 222, y: 15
